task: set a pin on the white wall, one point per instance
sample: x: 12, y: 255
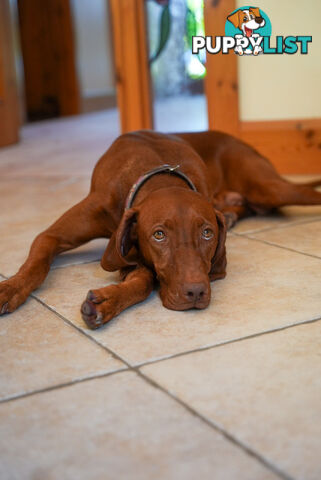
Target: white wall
x: 93, y: 47
x: 284, y: 86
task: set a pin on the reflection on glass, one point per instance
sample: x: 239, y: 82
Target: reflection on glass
x: 177, y: 74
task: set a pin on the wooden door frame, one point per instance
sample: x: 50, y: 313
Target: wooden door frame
x: 50, y: 72
x: 133, y: 82
x: 221, y: 81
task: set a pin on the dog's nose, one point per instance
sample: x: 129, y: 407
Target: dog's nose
x: 259, y: 20
x: 194, y: 292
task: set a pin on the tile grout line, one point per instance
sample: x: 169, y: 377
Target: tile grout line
x: 86, y: 262
x: 271, y: 244
x: 137, y: 366
x: 82, y: 331
x: 72, y: 325
x: 61, y: 385
x: 248, y: 450
x: 136, y: 369
x: 278, y: 227
x: 162, y: 359
x: 227, y: 342
x: 180, y: 354
x: 151, y: 382
x: 213, y: 425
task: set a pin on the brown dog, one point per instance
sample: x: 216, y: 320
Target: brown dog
x: 169, y: 225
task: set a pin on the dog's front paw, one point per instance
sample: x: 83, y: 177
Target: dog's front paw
x: 90, y: 315
x: 11, y: 296
x: 100, y: 306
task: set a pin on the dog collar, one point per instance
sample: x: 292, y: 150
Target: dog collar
x: 162, y: 169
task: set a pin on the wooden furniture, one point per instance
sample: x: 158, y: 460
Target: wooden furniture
x: 48, y: 49
x: 9, y: 111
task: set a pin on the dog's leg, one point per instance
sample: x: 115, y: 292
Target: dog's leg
x: 83, y: 222
x: 279, y: 193
x: 105, y: 303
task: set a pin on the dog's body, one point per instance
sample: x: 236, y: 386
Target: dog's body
x: 170, y: 232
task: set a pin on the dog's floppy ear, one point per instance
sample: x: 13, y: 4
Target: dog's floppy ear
x: 235, y: 18
x: 121, y: 243
x: 218, y: 269
x: 256, y: 11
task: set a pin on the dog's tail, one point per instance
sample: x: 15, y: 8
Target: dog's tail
x: 312, y: 183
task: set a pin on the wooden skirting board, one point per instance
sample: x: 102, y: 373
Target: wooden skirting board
x: 293, y: 146
x: 98, y: 102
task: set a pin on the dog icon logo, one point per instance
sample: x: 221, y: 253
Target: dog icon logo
x: 243, y: 24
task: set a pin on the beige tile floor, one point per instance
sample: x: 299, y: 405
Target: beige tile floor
x: 232, y: 392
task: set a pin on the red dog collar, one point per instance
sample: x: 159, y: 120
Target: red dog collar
x: 162, y: 169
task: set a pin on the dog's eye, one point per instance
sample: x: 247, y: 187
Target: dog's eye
x: 252, y: 17
x: 159, y: 235
x: 244, y: 19
x: 207, y: 233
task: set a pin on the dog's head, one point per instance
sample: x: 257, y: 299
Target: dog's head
x: 180, y: 235
x: 247, y: 20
